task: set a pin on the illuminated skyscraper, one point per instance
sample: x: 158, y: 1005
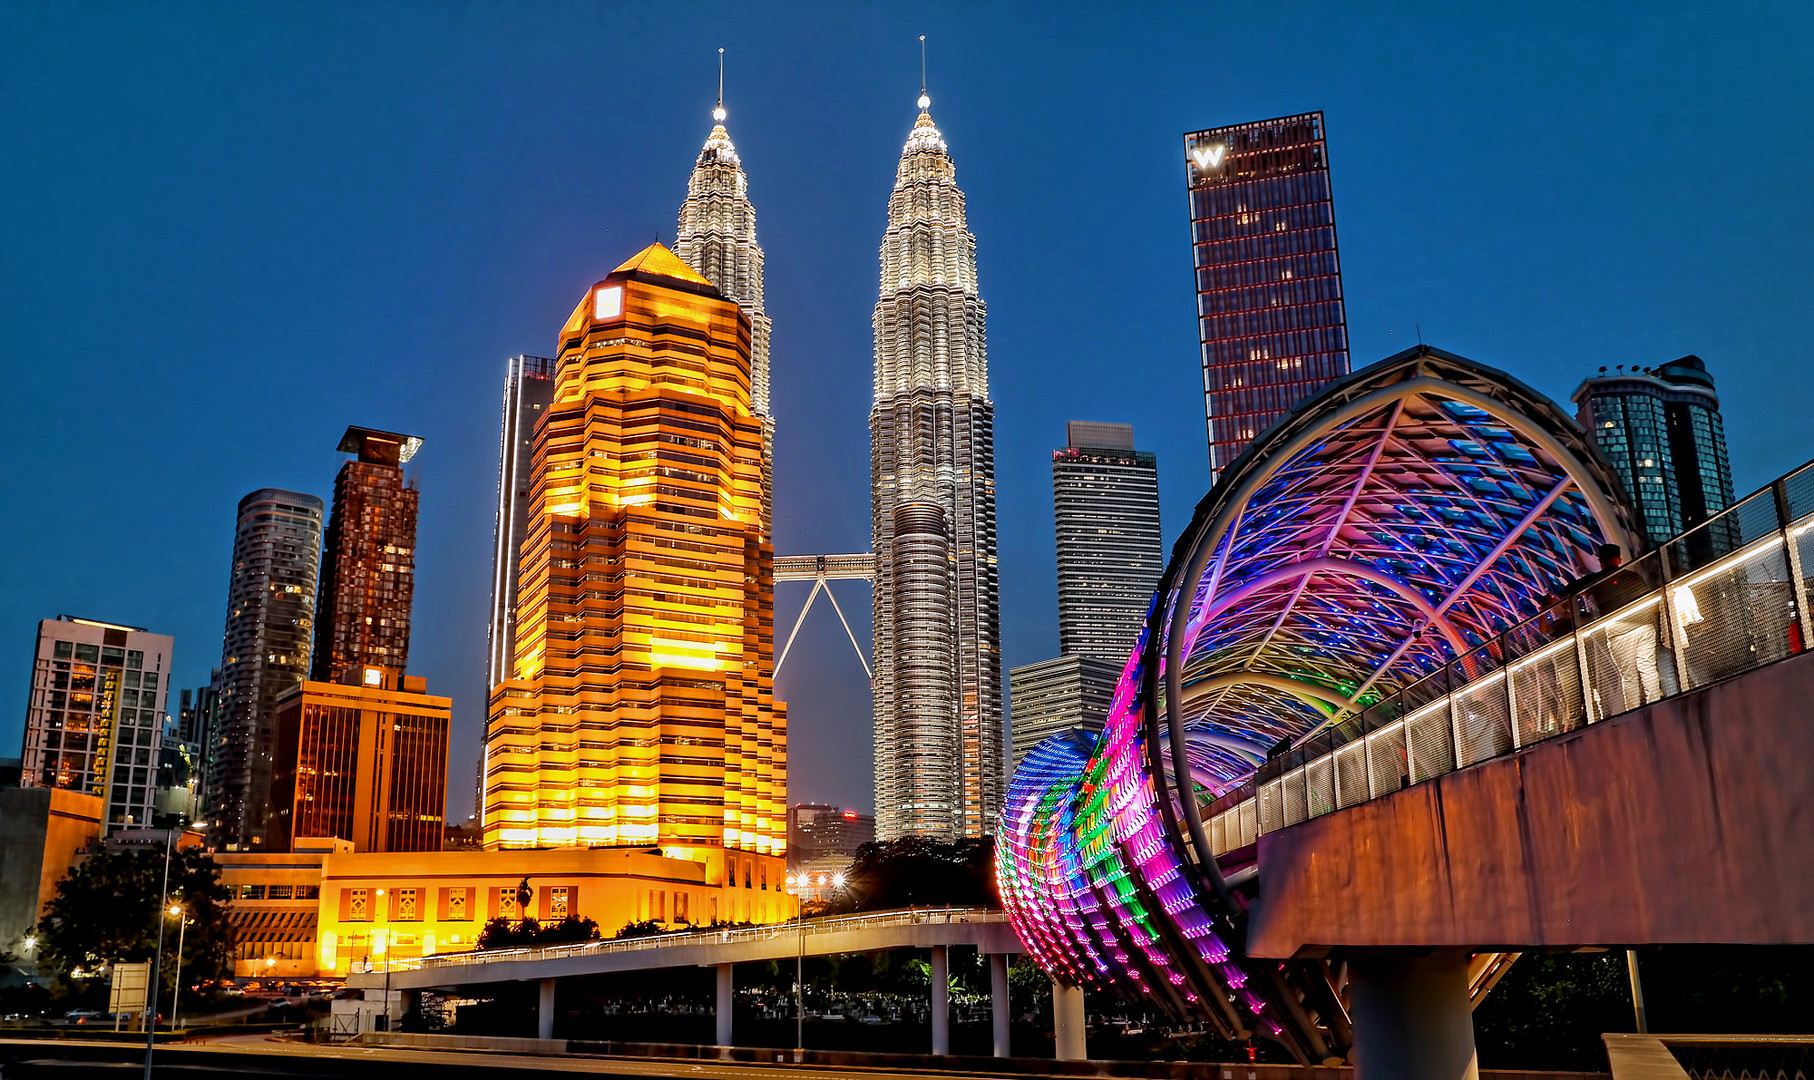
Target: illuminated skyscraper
x: 264, y: 652
x: 938, y: 752
x: 95, y: 720
x: 528, y: 391
x: 368, y: 572
x: 717, y: 237
x: 1269, y: 285
x: 1105, y: 509
x: 1662, y: 431
x: 641, y: 710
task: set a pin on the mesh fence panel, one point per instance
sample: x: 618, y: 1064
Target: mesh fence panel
x: 1218, y: 833
x: 1626, y: 657
x: 1546, y: 688
x: 1291, y: 786
x: 1319, y: 786
x: 1483, y: 721
x: 1249, y: 812
x: 1271, y: 808
x: 1351, y: 775
x: 1737, y: 617
x: 1431, y: 742
x: 1386, y: 755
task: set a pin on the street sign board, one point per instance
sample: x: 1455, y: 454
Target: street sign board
x: 127, y: 994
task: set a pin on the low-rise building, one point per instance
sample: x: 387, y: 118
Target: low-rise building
x: 43, y: 832
x: 326, y: 909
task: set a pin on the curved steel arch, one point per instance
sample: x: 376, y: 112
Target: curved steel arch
x: 1426, y: 492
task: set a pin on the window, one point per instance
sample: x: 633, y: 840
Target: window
x: 89, y: 654
x: 62, y: 649
x: 358, y: 906
x: 406, y: 905
x: 251, y: 892
x: 279, y: 892
x: 507, y: 902
x: 308, y: 892
x: 557, y: 902
x: 456, y: 905
x: 135, y: 659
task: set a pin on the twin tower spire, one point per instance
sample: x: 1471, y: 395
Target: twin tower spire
x: 938, y: 715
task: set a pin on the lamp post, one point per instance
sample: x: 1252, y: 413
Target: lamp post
x: 158, y: 958
x: 387, y: 964
x: 176, y: 995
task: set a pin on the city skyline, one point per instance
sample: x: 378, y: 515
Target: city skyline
x: 1415, y: 251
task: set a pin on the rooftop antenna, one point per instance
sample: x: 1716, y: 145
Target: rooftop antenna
x: 925, y: 102
x: 718, y: 113
x: 1419, y: 327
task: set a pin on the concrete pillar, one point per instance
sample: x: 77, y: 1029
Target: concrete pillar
x: 1068, y: 1023
x: 723, y: 1010
x: 999, y: 1010
x: 1411, y: 1016
x: 941, y: 999
x: 544, y: 1014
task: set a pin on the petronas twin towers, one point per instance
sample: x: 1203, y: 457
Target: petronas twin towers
x: 938, y: 737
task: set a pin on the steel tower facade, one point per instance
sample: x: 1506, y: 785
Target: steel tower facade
x: 938, y: 739
x: 717, y: 237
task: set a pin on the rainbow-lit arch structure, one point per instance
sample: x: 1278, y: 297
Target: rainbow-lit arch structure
x: 1399, y: 519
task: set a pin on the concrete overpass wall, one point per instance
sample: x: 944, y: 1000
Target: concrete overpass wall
x: 1691, y: 820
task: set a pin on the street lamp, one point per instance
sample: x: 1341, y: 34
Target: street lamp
x: 176, y: 995
x: 387, y: 970
x: 158, y: 959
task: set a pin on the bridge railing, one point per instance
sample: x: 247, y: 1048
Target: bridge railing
x: 1717, y: 601
x: 796, y: 928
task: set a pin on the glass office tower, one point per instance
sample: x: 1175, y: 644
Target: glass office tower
x: 1661, y: 429
x: 264, y: 653
x: 1105, y: 509
x: 1269, y: 286
x: 528, y: 391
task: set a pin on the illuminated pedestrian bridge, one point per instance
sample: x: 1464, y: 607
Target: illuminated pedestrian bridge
x: 1398, y: 524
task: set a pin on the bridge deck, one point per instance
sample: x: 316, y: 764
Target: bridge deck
x: 988, y: 931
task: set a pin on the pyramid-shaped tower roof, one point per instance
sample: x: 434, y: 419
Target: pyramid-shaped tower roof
x: 657, y: 261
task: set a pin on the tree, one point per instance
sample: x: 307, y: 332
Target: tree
x: 916, y: 871
x: 529, y: 934
x: 107, y: 910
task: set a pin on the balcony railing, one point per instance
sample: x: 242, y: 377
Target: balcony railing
x: 1722, y: 599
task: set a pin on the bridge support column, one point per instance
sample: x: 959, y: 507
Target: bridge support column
x: 999, y: 1011
x: 723, y: 1010
x: 1068, y: 1023
x: 544, y: 1013
x: 941, y: 999
x: 1411, y: 1016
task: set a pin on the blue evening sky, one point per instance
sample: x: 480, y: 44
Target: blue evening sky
x: 230, y: 230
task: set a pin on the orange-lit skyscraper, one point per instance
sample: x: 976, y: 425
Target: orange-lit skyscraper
x: 641, y: 707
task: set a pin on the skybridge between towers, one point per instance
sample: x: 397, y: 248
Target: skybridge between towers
x: 822, y: 570
x: 1413, y: 698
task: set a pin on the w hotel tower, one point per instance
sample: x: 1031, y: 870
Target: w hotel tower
x: 640, y: 708
x: 932, y: 467
x: 1269, y: 285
